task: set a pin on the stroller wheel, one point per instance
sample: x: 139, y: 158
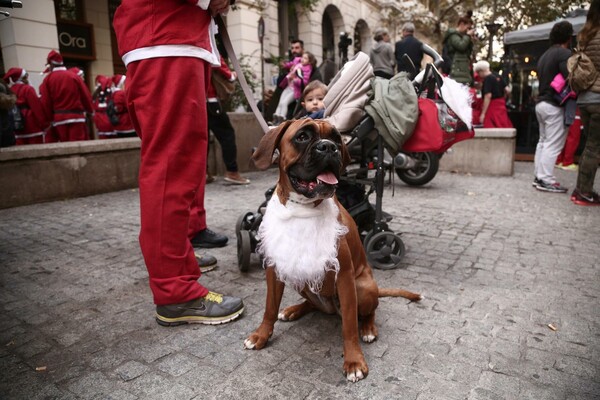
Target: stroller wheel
x: 384, y: 250
x: 243, y: 222
x: 427, y: 165
x: 244, y: 250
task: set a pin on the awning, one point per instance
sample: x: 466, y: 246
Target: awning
x: 542, y: 31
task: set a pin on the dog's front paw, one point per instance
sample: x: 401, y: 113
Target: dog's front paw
x: 258, y: 339
x: 355, y: 371
x: 254, y: 343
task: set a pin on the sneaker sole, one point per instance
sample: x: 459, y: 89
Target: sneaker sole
x: 543, y: 189
x: 207, y: 245
x: 164, y: 321
x: 584, y: 203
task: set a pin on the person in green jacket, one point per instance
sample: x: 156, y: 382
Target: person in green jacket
x: 459, y: 42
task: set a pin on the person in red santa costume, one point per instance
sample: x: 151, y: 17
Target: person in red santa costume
x: 124, y: 128
x: 65, y: 99
x: 159, y: 38
x: 30, y: 106
x: 100, y: 98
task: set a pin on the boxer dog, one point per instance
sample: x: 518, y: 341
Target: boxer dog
x: 309, y: 241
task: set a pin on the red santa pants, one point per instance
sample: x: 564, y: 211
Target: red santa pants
x: 170, y: 118
x: 72, y: 132
x: 567, y: 156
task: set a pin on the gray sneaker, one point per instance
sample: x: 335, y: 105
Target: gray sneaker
x: 212, y: 309
x: 551, y: 187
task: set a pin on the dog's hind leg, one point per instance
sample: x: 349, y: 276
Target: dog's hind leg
x: 297, y: 311
x: 368, y: 329
x: 368, y: 300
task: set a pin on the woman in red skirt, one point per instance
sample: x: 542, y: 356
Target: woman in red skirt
x: 493, y: 92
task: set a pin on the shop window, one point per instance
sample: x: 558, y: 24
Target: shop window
x: 69, y: 10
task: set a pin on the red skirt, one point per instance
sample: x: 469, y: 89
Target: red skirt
x: 496, y: 115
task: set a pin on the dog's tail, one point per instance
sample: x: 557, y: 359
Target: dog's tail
x: 399, y: 293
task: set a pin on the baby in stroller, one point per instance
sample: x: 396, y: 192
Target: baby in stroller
x: 351, y: 95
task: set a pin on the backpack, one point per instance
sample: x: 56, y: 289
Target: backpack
x: 582, y: 72
x: 223, y: 87
x: 18, y: 121
x: 111, y: 112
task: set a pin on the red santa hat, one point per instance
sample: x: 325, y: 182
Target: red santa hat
x: 14, y: 74
x: 103, y: 82
x: 118, y: 80
x: 54, y: 58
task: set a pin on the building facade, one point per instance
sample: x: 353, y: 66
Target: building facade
x: 82, y: 31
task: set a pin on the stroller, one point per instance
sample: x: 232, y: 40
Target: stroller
x: 432, y: 127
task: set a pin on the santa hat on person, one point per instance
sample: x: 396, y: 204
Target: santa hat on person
x: 14, y: 75
x: 119, y: 81
x: 54, y: 59
x: 103, y: 82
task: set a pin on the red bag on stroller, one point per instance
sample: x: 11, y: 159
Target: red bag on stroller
x: 429, y: 136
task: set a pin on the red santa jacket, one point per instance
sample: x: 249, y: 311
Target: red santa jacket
x: 177, y: 28
x: 65, y: 97
x: 31, y: 108
x: 100, y: 100
x: 125, y: 125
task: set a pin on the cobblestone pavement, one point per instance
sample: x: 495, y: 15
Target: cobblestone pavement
x: 497, y: 261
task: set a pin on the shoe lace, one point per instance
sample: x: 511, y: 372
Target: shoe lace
x: 214, y: 297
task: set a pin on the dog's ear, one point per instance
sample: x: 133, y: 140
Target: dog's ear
x: 263, y: 155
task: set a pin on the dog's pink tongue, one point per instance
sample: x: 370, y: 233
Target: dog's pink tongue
x: 327, y: 177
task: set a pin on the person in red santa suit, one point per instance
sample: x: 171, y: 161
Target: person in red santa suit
x: 172, y: 124
x: 124, y: 128
x: 100, y: 98
x: 66, y: 99
x: 30, y: 106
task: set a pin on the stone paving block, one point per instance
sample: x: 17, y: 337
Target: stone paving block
x: 494, y: 269
x: 130, y: 370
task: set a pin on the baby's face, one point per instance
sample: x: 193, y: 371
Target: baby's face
x: 313, y: 101
x: 305, y: 60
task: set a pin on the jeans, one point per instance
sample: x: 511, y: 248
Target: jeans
x: 588, y: 164
x: 553, y: 134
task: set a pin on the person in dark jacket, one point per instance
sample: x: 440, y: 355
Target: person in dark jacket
x: 411, y: 46
x: 549, y: 113
x: 589, y: 104
x: 7, y: 101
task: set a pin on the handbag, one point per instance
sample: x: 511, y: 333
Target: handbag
x: 224, y: 87
x: 582, y: 72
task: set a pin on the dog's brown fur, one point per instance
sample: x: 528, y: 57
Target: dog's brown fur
x: 355, y: 288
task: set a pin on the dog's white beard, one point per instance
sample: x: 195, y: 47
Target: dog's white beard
x: 301, y: 241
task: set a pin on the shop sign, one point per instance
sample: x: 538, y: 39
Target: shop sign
x: 76, y: 40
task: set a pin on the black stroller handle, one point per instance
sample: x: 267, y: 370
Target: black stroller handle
x: 437, y: 58
x: 430, y: 69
